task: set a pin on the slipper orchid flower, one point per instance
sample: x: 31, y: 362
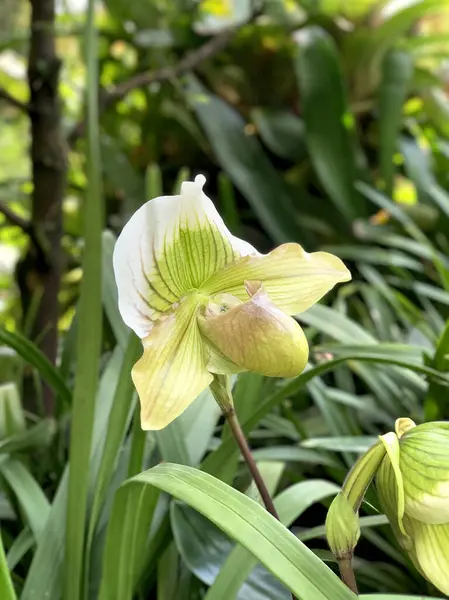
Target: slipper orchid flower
x: 205, y: 302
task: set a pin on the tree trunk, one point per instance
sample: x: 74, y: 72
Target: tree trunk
x: 42, y: 265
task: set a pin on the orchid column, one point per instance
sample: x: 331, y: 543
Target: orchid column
x: 208, y: 305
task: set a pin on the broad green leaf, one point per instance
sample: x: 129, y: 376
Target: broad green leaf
x: 290, y: 504
x: 89, y: 331
x: 324, y: 108
x: 397, y: 70
x: 247, y: 523
x: 32, y: 355
x: 6, y: 586
x: 243, y: 159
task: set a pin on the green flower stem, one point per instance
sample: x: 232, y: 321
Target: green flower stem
x: 240, y: 438
x: 347, y: 574
x: 221, y: 390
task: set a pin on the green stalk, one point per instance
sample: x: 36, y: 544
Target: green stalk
x: 221, y: 390
x: 6, y: 587
x: 89, y: 334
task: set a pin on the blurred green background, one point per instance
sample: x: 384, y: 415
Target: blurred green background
x: 324, y: 122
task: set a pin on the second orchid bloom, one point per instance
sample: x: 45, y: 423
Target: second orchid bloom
x: 205, y: 302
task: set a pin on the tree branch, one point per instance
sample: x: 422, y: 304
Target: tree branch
x: 14, y: 218
x: 27, y: 227
x: 189, y: 62
x: 7, y: 97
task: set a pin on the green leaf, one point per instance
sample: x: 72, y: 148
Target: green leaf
x: 393, y: 597
x: 282, y: 132
x: 242, y: 157
x: 12, y: 418
x: 249, y: 524
x: 6, y: 587
x: 89, y: 332
x: 341, y: 444
x: 28, y: 493
x: 36, y: 437
x: 290, y: 504
x: 294, y: 454
x: 118, y: 421
x: 44, y: 579
x: 32, y: 355
x: 21, y: 545
x: 369, y: 353
x: 124, y: 551
x: 324, y: 107
x: 186, y: 439
x: 397, y: 71
x: 409, y: 357
x: 109, y: 291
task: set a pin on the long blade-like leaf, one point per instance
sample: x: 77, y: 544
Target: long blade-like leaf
x: 245, y: 162
x: 32, y: 355
x: 290, y: 505
x: 324, y: 107
x: 6, y: 587
x: 249, y: 524
x: 88, y: 334
x: 397, y: 71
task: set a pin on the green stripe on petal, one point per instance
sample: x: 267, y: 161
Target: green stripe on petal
x: 169, y: 247
x: 432, y: 553
x: 292, y: 278
x: 172, y: 370
x: 255, y: 335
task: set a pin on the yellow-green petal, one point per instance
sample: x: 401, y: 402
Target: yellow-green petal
x: 425, y: 471
x: 172, y: 370
x: 390, y: 482
x: 292, y: 278
x: 170, y: 246
x: 431, y: 549
x: 255, y: 335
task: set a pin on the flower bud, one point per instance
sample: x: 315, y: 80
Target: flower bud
x: 342, y: 527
